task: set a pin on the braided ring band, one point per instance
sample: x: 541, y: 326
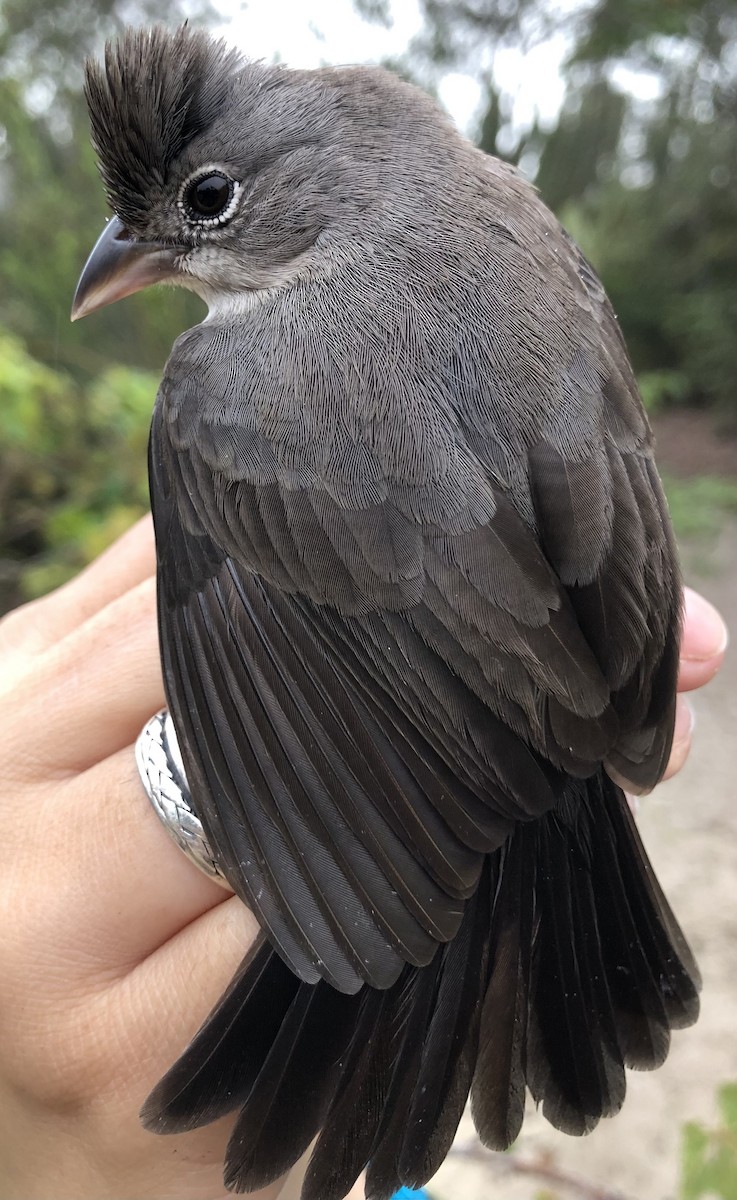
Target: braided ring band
x: 160, y: 766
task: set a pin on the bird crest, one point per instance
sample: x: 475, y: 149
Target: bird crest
x: 156, y: 90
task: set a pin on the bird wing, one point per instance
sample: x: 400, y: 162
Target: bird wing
x: 378, y: 667
x: 414, y: 569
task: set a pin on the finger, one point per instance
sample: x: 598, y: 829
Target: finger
x: 36, y: 626
x: 121, y: 1039
x: 128, y: 561
x: 186, y: 975
x: 151, y: 1015
x: 151, y: 888
x: 90, y: 694
x: 110, y: 887
x: 704, y: 643
x: 685, y: 720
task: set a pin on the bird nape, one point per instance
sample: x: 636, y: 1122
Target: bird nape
x: 419, y: 610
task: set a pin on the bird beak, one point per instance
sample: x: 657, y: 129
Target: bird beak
x: 119, y: 266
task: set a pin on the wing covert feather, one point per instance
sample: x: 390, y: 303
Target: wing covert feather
x: 384, y: 653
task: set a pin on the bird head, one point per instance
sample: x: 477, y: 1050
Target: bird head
x: 228, y: 176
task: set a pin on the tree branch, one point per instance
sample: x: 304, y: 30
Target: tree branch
x: 540, y: 1169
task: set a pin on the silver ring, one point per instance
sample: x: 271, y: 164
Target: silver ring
x: 160, y: 766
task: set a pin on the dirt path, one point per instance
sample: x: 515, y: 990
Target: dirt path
x: 689, y: 826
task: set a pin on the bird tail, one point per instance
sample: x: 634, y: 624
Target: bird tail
x: 568, y: 967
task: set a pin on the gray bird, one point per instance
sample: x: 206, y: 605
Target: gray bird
x: 419, y: 610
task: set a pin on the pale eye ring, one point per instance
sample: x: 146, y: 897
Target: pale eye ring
x: 209, y: 197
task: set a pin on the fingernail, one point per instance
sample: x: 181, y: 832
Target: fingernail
x: 707, y: 634
x: 685, y: 721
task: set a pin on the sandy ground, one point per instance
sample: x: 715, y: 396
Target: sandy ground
x: 689, y: 826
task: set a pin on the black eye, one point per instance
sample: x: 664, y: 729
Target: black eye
x: 209, y: 196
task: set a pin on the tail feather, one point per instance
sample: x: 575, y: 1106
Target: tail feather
x: 498, y: 1090
x: 596, y: 983
x: 409, y: 1035
x: 450, y: 1044
x: 349, y: 1130
x: 219, y: 1068
x: 574, y: 1065
x: 678, y: 976
x: 292, y: 1093
x: 568, y: 965
x: 652, y: 976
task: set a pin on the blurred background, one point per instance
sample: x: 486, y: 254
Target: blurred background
x: 623, y: 112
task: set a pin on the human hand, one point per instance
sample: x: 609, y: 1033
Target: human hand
x: 703, y: 647
x: 114, y: 946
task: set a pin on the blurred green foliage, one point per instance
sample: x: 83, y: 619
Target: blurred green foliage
x: 72, y: 466
x: 75, y: 400
x: 648, y: 188
x: 672, y: 281
x: 707, y: 1162
x: 699, y: 506
x: 52, y: 205
x: 709, y: 1156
